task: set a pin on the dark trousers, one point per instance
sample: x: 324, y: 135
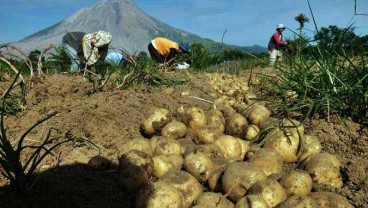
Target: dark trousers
x: 155, y: 55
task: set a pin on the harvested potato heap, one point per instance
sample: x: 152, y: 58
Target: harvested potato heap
x: 227, y: 157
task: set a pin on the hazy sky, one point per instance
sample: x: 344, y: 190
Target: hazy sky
x: 247, y: 22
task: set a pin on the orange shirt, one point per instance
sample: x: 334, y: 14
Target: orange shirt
x: 163, y: 45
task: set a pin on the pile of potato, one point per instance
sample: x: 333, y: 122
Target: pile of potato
x: 194, y: 158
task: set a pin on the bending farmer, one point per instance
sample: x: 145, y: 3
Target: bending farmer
x: 163, y: 50
x: 275, y: 45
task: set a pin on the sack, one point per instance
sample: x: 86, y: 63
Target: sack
x: 182, y: 65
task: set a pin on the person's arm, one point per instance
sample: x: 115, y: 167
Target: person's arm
x: 277, y: 41
x: 172, y: 54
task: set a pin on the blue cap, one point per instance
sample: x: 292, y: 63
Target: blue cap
x: 113, y: 58
x: 184, y: 47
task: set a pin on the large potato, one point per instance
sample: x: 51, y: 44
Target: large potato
x: 293, y: 126
x: 259, y: 115
x: 187, y: 145
x: 251, y: 201
x: 211, y: 150
x: 311, y: 145
x: 160, y: 194
x: 325, y: 169
x: 187, y: 184
x: 270, y: 190
x: 330, y: 200
x: 239, y: 177
x: 216, y: 119
x: 166, y: 146
x: 207, y: 134
x: 297, y: 201
x: 215, y: 178
x: 236, y: 125
x: 231, y: 147
x: 286, y: 146
x: 297, y: 182
x: 244, y: 145
x: 174, y: 130
x: 138, y: 143
x: 138, y: 158
x: 268, y: 160
x: 218, y: 200
x: 199, y: 165
x: 194, y: 117
x: 155, y: 122
x: 163, y: 164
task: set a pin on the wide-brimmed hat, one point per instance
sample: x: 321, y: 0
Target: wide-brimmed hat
x: 184, y: 46
x: 280, y: 26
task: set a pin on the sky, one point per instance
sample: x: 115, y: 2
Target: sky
x: 246, y: 22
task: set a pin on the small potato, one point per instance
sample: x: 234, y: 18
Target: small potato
x: 270, y: 190
x: 163, y: 164
x: 214, y: 181
x: 199, y: 165
x: 293, y: 126
x: 324, y: 169
x: 230, y: 146
x: 99, y: 163
x: 207, y: 135
x: 297, y: 201
x: 244, y: 148
x: 259, y: 115
x: 216, y: 119
x: 174, y: 130
x: 268, y: 160
x: 252, y: 132
x: 187, y: 145
x: 214, y: 199
x: 239, y: 177
x: 155, y: 122
x: 297, y: 182
x: 187, y: 184
x: 211, y: 150
x: 159, y: 194
x: 330, y: 200
x: 252, y: 150
x: 139, y: 143
x: 138, y: 158
x: 166, y: 146
x: 251, y: 201
x: 236, y: 125
x: 194, y: 117
x: 311, y: 145
x: 132, y: 178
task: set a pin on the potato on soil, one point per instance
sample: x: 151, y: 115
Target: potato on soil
x: 186, y: 183
x: 298, y: 201
x: 166, y: 146
x: 132, y: 178
x: 286, y: 146
x: 155, y: 122
x: 236, y: 125
x: 99, y: 163
x: 252, y: 132
x: 239, y: 177
x: 138, y: 143
x: 216, y: 119
x: 163, y: 164
x: 211, y: 150
x: 268, y: 160
x: 207, y: 134
x: 292, y: 126
x: 174, y: 130
x: 297, y: 182
x: 270, y: 190
x: 214, y: 199
x: 138, y: 158
x: 194, y: 117
x: 231, y: 147
x: 311, y: 145
x: 330, y: 200
x: 259, y: 115
x: 199, y: 165
x: 187, y: 145
x: 251, y: 201
x: 159, y: 194
x: 324, y: 168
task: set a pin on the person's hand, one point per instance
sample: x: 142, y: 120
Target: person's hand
x: 286, y: 43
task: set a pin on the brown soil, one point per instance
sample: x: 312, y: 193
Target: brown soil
x: 113, y: 117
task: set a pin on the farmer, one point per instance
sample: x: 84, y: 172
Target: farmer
x: 276, y: 44
x: 163, y: 50
x: 84, y: 48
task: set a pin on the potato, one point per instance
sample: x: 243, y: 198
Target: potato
x: 155, y: 122
x: 166, y: 146
x: 297, y: 182
x: 174, y: 130
x: 324, y: 169
x: 268, y: 160
x: 163, y: 164
x: 207, y: 135
x: 215, y: 178
x: 311, y: 145
x: 230, y: 146
x: 99, y: 163
x: 330, y: 200
x: 218, y: 200
x: 270, y: 190
x: 194, y: 117
x: 236, y: 125
x: 159, y: 194
x: 132, y: 178
x: 187, y: 145
x: 211, y: 150
x: 251, y: 201
x: 293, y: 126
x: 216, y: 119
x: 297, y: 201
x: 286, y: 146
x: 258, y: 115
x: 138, y: 158
x: 252, y: 132
x: 252, y: 150
x: 199, y: 165
x: 138, y: 143
x: 186, y: 183
x: 244, y: 148
x: 239, y: 177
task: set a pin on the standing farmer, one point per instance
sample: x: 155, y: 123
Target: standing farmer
x: 83, y: 48
x: 275, y: 45
x: 163, y: 50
